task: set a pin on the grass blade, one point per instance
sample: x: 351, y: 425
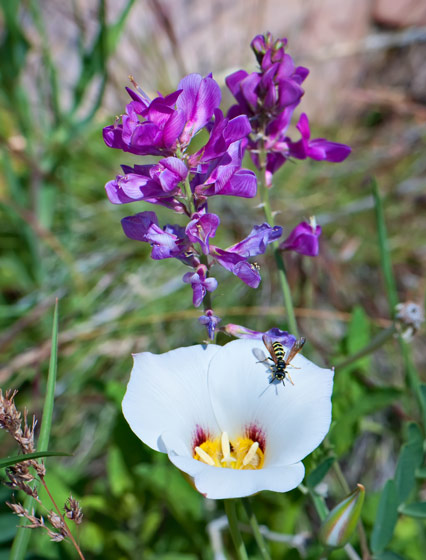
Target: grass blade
x: 384, y: 249
x: 22, y: 538
x: 9, y: 461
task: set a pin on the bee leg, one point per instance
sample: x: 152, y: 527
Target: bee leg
x: 289, y: 378
x: 265, y: 360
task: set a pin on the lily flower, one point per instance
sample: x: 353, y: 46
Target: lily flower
x: 213, y: 411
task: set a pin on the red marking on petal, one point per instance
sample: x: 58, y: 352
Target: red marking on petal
x: 255, y: 433
x: 199, y: 437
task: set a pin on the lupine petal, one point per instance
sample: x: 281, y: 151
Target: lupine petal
x: 200, y: 97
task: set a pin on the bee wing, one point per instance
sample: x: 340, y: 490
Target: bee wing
x: 297, y: 347
x: 259, y: 354
x: 268, y: 343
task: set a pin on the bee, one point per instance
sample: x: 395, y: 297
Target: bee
x: 281, y: 358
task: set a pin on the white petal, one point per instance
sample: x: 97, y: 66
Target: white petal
x: 169, y: 392
x: 294, y: 419
x: 221, y: 483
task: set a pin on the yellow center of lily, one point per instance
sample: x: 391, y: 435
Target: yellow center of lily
x: 241, y: 453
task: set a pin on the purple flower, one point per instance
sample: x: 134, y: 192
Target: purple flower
x: 198, y: 101
x: 303, y: 239
x: 225, y: 176
x: 201, y: 228
x: 257, y: 240
x: 235, y: 257
x: 261, y: 43
x: 274, y: 334
x: 200, y: 284
x: 167, y: 243
x: 148, y: 130
x: 319, y: 148
x: 238, y: 265
x: 156, y: 183
x: 269, y: 98
x: 224, y: 132
x: 262, y: 95
x: 155, y: 127
x: 210, y: 320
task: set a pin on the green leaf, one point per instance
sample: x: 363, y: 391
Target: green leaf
x: 384, y: 249
x: 358, y: 334
x: 8, y: 527
x: 46, y: 423
x: 410, y: 458
x: 421, y: 473
x: 422, y: 394
x: 388, y: 555
x: 319, y: 472
x: 22, y: 538
x: 415, y: 509
x: 386, y: 518
x: 118, y: 473
x: 9, y: 461
x: 170, y: 484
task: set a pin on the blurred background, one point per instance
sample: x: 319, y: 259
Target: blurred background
x: 63, y: 69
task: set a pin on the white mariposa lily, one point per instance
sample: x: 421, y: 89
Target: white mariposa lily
x: 212, y: 410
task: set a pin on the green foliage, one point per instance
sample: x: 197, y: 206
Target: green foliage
x: 398, y: 490
x: 61, y: 238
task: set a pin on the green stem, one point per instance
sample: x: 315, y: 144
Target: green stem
x: 377, y: 341
x: 188, y: 194
x: 288, y: 300
x: 237, y: 539
x: 384, y: 250
x: 260, y: 541
x: 386, y: 263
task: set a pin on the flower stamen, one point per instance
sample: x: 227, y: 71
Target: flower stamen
x: 205, y: 457
x: 243, y: 452
x: 251, y: 458
x: 226, y: 449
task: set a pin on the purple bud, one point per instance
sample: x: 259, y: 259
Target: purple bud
x: 210, y: 320
x: 200, y: 284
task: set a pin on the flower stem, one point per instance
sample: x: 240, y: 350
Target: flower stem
x: 256, y: 529
x: 288, y: 300
x: 264, y: 194
x: 188, y: 195
x: 373, y: 345
x: 237, y: 539
x: 70, y: 535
